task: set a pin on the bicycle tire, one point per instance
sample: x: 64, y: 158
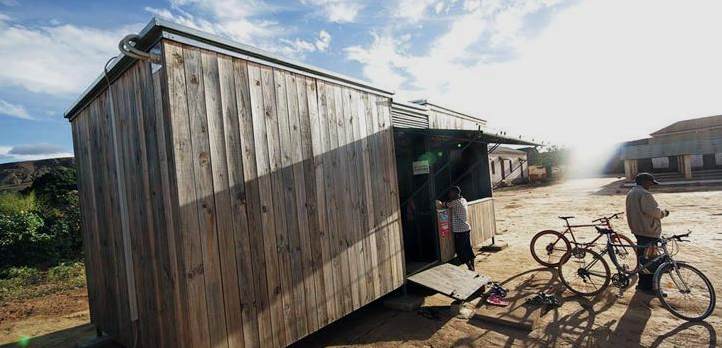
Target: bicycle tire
x: 666, y: 300
x: 633, y: 259
x: 574, y: 267
x: 561, y: 237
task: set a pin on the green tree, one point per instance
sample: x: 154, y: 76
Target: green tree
x: 554, y: 156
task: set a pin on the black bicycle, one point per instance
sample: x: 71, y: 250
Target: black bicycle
x: 683, y: 289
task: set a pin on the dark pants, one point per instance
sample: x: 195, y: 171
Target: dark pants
x: 462, y: 244
x: 646, y: 275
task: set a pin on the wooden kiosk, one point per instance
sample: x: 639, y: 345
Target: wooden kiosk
x: 233, y: 198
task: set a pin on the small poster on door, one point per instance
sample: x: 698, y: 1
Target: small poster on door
x: 420, y: 167
x: 443, y: 219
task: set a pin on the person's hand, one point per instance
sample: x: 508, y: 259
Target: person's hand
x: 439, y: 205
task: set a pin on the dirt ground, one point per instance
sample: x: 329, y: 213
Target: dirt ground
x: 605, y: 321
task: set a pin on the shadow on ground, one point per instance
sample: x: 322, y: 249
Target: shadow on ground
x: 67, y: 338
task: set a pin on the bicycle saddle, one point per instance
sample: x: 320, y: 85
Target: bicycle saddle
x: 566, y: 217
x: 603, y: 230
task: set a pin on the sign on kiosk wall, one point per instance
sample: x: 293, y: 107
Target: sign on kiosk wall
x: 420, y: 167
x: 443, y: 219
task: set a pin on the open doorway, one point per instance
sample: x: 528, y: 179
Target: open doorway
x: 428, y: 165
x: 414, y: 165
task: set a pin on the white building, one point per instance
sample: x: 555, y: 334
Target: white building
x: 507, y: 164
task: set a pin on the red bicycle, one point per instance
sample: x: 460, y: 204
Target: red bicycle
x: 548, y: 247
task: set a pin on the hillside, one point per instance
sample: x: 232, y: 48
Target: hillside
x: 16, y: 176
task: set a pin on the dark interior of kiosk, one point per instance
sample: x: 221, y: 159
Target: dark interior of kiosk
x: 454, y: 160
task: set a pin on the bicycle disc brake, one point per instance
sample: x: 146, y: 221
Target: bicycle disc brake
x: 620, y: 280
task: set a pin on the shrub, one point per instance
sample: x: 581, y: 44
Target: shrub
x: 13, y: 202
x: 18, y: 283
x: 41, y: 225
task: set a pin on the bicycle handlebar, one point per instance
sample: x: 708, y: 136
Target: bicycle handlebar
x: 680, y: 236
x: 605, y: 219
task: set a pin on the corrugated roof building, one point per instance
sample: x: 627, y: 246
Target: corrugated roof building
x: 683, y: 147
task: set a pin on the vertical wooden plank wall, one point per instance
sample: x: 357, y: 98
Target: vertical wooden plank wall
x: 292, y: 183
x: 262, y: 204
x: 482, y: 220
x: 140, y: 172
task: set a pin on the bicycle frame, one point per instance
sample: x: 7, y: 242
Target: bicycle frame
x: 609, y: 249
x: 574, y: 239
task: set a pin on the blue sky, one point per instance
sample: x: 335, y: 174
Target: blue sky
x: 585, y: 73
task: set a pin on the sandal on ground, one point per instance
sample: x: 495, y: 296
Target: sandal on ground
x: 496, y: 300
x: 543, y: 299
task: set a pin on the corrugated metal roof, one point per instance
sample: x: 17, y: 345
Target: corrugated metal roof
x: 701, y: 123
x: 445, y: 110
x: 507, y: 151
x: 695, y: 147
x: 468, y: 135
x: 409, y: 115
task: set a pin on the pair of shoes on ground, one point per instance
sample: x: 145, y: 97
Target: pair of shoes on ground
x: 543, y: 299
x: 496, y: 295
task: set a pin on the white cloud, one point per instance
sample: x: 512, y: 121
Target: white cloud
x: 36, y: 149
x: 337, y: 11
x: 382, y: 62
x: 592, y: 77
x: 471, y: 5
x: 242, y: 28
x: 323, y: 41
x: 14, y: 110
x: 412, y: 10
x: 58, y: 60
x: 32, y: 152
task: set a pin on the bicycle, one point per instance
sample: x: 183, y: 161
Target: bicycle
x: 676, y: 283
x: 549, y: 246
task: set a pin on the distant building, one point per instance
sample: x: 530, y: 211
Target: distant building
x: 507, y: 164
x: 692, y: 148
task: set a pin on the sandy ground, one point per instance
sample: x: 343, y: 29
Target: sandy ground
x: 606, y: 321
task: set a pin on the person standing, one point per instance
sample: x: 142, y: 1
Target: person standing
x: 644, y: 217
x: 459, y: 226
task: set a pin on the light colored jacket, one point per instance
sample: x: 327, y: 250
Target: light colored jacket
x: 643, y: 213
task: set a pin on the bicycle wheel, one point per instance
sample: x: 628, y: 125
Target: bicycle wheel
x: 588, y: 275
x: 626, y: 256
x: 548, y: 247
x: 689, y: 294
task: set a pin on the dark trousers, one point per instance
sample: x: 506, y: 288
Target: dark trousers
x: 647, y: 274
x: 462, y: 244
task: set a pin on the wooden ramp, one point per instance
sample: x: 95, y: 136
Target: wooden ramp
x: 451, y: 280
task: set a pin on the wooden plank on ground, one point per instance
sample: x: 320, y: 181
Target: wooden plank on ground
x: 450, y: 280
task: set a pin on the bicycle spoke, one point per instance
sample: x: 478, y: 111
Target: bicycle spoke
x: 687, y: 293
